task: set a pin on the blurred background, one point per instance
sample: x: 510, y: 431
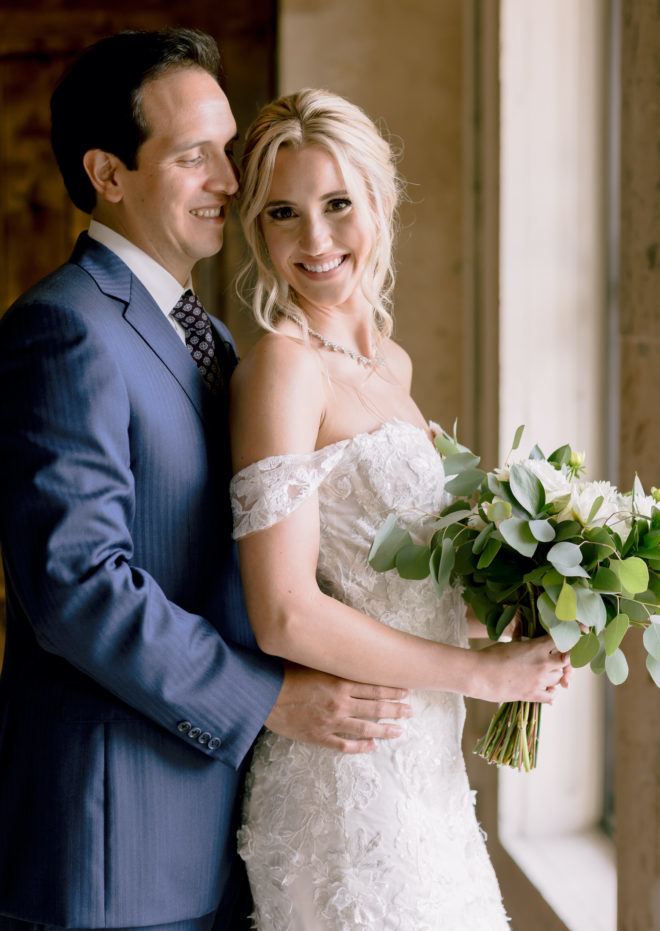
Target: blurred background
x: 528, y: 293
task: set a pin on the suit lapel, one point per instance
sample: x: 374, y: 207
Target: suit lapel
x: 142, y: 313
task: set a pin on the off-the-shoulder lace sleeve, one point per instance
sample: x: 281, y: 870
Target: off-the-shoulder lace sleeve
x: 267, y: 491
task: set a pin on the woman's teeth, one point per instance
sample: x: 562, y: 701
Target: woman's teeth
x: 326, y: 267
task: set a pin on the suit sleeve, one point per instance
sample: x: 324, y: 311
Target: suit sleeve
x: 67, y: 506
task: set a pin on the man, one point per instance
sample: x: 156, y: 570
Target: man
x: 132, y: 688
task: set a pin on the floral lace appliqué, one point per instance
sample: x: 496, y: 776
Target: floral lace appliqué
x: 386, y: 840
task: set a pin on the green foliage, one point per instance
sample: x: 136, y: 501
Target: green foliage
x: 587, y: 572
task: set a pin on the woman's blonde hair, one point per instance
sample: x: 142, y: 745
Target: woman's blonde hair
x: 320, y: 118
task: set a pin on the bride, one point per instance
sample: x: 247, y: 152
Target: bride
x: 326, y: 441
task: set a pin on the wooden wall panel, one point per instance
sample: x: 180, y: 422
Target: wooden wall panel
x: 38, y: 223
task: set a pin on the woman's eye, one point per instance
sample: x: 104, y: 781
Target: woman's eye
x: 281, y: 213
x: 191, y: 161
x: 337, y: 204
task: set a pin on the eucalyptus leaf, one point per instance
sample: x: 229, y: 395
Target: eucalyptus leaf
x: 505, y: 619
x: 389, y: 539
x: 566, y: 607
x: 560, y: 456
x: 498, y: 510
x: 442, y: 562
x: 591, y: 610
x: 518, y: 436
x: 651, y: 640
x: 635, y: 610
x: 634, y: 574
x: 568, y: 530
x: 616, y: 667
x: 454, y: 517
x: 595, y: 508
x: 564, y: 633
x: 517, y: 534
x: 412, y: 561
x: 599, y: 535
x: 585, y: 650
x: 527, y: 489
x: 465, y: 482
x: 496, y: 486
x: 535, y: 453
x: 604, y: 580
x: 598, y: 664
x: 535, y: 575
x: 459, y: 462
x: 615, y: 632
x: 445, y: 445
x: 552, y: 582
x: 546, y: 609
x: 489, y: 553
x: 482, y: 539
x: 542, y: 530
x: 653, y: 666
x: 566, y: 557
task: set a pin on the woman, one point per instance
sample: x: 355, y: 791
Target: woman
x: 326, y: 441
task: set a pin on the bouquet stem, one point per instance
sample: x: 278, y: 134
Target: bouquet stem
x: 513, y: 735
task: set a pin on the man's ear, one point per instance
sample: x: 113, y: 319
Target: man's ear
x: 102, y: 170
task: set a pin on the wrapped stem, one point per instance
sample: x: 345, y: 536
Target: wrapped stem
x: 512, y: 736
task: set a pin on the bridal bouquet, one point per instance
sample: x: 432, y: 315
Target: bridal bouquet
x: 534, y: 541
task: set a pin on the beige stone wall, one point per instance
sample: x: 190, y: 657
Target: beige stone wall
x: 403, y: 63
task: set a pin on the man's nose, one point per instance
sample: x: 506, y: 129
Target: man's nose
x: 224, y: 174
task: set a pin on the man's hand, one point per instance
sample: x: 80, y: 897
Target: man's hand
x: 317, y: 708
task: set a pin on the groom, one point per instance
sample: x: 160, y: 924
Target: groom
x: 132, y: 688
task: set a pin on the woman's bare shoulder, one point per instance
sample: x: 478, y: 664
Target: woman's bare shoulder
x: 277, y: 357
x: 277, y: 399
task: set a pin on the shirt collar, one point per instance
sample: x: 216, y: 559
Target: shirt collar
x: 163, y: 287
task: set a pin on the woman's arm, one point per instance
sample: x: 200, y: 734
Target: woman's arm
x: 278, y: 405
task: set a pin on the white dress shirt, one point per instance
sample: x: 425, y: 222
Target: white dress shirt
x: 163, y: 287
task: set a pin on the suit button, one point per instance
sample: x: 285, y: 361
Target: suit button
x: 194, y: 732
x: 204, y: 738
x: 183, y: 726
x: 214, y: 743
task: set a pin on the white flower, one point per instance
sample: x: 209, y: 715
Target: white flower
x: 582, y: 500
x: 644, y: 506
x: 556, y: 482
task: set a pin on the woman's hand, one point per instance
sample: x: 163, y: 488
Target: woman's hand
x: 521, y: 671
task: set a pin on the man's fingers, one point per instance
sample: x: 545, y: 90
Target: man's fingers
x: 361, y: 736
x: 344, y: 745
x: 376, y: 692
x: 379, y: 709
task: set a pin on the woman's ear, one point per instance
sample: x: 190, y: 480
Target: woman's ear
x: 102, y: 170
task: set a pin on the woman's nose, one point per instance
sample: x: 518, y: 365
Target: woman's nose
x: 315, y: 235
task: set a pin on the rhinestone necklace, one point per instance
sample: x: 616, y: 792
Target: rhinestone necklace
x: 335, y: 347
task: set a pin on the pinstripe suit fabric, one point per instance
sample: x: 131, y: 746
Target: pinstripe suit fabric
x: 125, y: 612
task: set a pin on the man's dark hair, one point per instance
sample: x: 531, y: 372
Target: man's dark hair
x: 98, y: 102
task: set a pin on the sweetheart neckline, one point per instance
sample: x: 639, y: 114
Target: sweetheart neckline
x: 394, y: 422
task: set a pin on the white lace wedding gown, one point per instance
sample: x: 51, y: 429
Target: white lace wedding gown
x: 388, y: 839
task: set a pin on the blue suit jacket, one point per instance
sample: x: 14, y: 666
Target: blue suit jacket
x: 132, y: 687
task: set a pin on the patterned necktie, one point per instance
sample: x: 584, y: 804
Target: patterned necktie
x: 199, y: 338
